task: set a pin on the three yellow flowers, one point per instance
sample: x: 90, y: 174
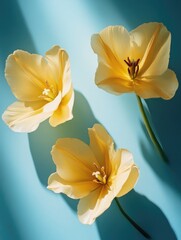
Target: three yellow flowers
x: 127, y: 62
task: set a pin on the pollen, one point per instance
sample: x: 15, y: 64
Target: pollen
x: 46, y: 91
x: 100, y: 176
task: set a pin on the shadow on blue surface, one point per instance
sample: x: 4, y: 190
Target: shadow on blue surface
x: 166, y: 115
x: 111, y: 225
x: 42, y: 140
x: 14, y: 35
x: 8, y: 229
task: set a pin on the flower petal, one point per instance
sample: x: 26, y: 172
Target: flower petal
x: 102, y: 145
x: 26, y: 116
x: 27, y: 75
x: 59, y: 63
x: 130, y: 182
x: 112, y: 45
x: 111, y: 81
x: 124, y: 174
x: 74, y: 160
x: 151, y: 44
x: 92, y: 206
x: 163, y: 86
x: 64, y: 111
x: 74, y: 190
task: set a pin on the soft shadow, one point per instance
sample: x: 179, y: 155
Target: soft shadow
x: 8, y: 228
x: 113, y: 225
x: 166, y: 115
x: 42, y: 140
x: 14, y: 35
x: 163, y: 170
x: 14, y: 32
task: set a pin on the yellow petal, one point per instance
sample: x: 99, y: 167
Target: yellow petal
x: 130, y: 182
x: 27, y: 75
x: 111, y: 81
x: 26, y: 116
x: 92, y: 206
x: 74, y: 190
x: 74, y: 160
x: 112, y: 45
x: 151, y: 44
x: 64, y: 111
x: 163, y: 86
x: 60, y: 66
x: 102, y: 145
x: 124, y: 174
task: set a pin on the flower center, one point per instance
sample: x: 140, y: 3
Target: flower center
x: 100, y: 175
x: 48, y: 93
x: 133, y: 67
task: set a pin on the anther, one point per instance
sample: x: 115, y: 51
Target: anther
x: 133, y: 67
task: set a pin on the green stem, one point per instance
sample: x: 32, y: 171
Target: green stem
x: 150, y: 131
x: 145, y: 234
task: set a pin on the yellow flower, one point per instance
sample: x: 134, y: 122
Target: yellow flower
x: 93, y: 173
x: 136, y: 61
x: 43, y: 87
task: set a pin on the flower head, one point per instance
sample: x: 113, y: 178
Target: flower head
x: 93, y: 173
x: 43, y: 88
x: 135, y: 61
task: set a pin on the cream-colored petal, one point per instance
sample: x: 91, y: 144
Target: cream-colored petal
x: 151, y: 44
x: 92, y: 206
x: 27, y: 74
x: 121, y: 179
x: 102, y: 145
x: 74, y: 160
x: 130, y: 182
x: 163, y: 86
x: 21, y: 117
x: 64, y: 111
x: 111, y: 81
x: 60, y: 65
x: 26, y: 116
x: 112, y: 46
x: 74, y: 190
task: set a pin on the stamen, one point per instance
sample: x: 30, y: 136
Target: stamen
x: 48, y: 93
x: 100, y: 176
x: 133, y: 67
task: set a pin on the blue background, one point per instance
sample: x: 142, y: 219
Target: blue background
x: 28, y: 211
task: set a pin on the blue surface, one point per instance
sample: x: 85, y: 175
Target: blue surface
x: 28, y: 211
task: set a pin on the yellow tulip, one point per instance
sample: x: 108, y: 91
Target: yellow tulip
x: 43, y: 88
x: 94, y: 173
x: 135, y: 61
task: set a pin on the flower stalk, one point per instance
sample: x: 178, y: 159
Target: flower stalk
x: 145, y: 234
x: 150, y: 131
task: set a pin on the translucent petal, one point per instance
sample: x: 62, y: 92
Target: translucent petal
x: 28, y: 75
x: 74, y: 160
x: 151, y: 44
x: 112, y: 45
x: 163, y: 86
x: 90, y: 207
x: 111, y: 81
x: 102, y: 145
x: 64, y: 111
x: 26, y: 116
x: 60, y: 66
x: 130, y: 181
x: 122, y: 180
x: 72, y: 189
